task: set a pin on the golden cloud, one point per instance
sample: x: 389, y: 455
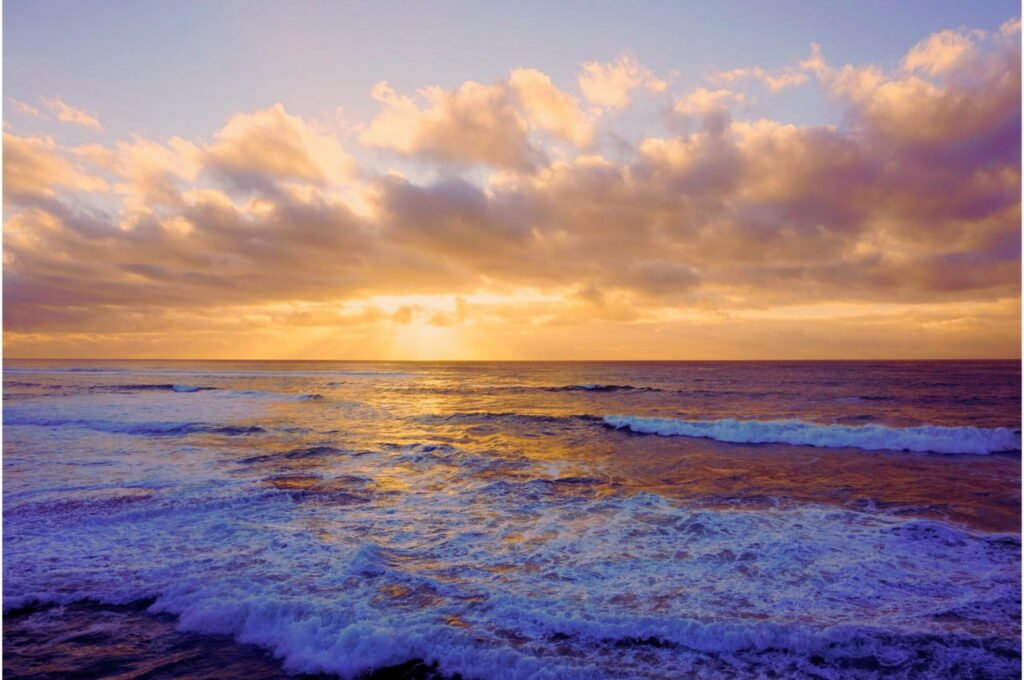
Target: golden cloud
x: 914, y: 203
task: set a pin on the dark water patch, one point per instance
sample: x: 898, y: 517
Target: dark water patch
x: 15, y: 396
x: 649, y: 641
x: 343, y: 490
x: 509, y: 416
x: 333, y: 498
x: 866, y: 397
x: 565, y: 489
x: 415, y: 669
x: 316, y: 485
x: 601, y: 388
x: 87, y: 639
x: 304, y: 453
x: 230, y: 430
x: 151, y: 387
x: 857, y: 419
x: 81, y: 507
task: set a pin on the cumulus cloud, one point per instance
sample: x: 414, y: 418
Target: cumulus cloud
x: 913, y: 200
x: 34, y: 167
x: 150, y: 172
x: 941, y: 51
x: 474, y: 124
x: 272, y: 145
x: 478, y: 124
x: 609, y: 84
x: 548, y: 108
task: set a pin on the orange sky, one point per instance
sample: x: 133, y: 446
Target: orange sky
x: 619, y: 215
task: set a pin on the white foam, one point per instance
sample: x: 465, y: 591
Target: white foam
x: 632, y: 581
x: 924, y: 439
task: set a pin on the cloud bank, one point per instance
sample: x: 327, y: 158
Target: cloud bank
x: 515, y: 213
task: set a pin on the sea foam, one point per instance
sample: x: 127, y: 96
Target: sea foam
x: 924, y: 438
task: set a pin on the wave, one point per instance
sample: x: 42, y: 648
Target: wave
x: 167, y: 387
x: 923, y: 439
x: 263, y: 394
x: 361, y: 604
x: 508, y: 416
x: 212, y: 373
x: 188, y: 389
x: 601, y: 388
x: 376, y: 634
x: 300, y: 453
x: 151, y: 429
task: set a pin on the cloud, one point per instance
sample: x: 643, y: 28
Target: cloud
x: 151, y: 172
x: 775, y: 79
x: 967, y: 111
x: 941, y: 51
x: 609, y: 84
x: 548, y: 108
x: 703, y: 100
x: 255, y: 150
x: 66, y: 113
x: 474, y: 124
x: 34, y: 168
x: 912, y: 201
x: 25, y: 108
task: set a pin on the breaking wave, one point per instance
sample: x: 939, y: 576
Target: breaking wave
x: 923, y: 439
x: 369, y: 604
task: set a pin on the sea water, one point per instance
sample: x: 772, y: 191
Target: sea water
x: 512, y: 520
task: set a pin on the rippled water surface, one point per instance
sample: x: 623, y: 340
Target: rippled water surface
x: 226, y: 519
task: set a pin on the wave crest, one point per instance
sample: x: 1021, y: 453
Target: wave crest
x: 923, y: 439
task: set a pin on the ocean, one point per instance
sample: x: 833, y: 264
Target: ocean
x: 512, y: 520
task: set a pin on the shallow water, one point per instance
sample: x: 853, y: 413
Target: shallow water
x: 744, y: 519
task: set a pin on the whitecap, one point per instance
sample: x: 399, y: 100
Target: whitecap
x: 924, y: 438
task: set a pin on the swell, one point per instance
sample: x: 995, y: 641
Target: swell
x: 159, y: 387
x: 151, y: 429
x: 597, y: 387
x: 923, y: 439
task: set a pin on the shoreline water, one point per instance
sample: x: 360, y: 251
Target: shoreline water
x: 147, y: 645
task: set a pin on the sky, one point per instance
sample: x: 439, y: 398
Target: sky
x: 471, y: 181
